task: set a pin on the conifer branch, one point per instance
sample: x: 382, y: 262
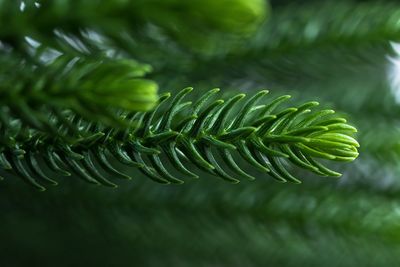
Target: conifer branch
x: 67, y: 26
x: 209, y: 134
x: 301, y: 26
x: 37, y: 93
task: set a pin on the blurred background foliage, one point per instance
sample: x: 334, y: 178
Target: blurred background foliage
x: 341, y: 53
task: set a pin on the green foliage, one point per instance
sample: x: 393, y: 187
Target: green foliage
x: 345, y: 23
x: 200, y: 24
x: 29, y: 91
x: 266, y: 139
x: 237, y: 16
x: 196, y: 23
x: 254, y: 224
x: 88, y: 63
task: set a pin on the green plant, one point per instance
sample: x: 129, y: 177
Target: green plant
x: 65, y: 101
x: 90, y: 92
x: 183, y: 132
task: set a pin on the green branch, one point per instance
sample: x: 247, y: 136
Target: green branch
x: 208, y: 134
x: 90, y: 88
x: 303, y: 27
x: 50, y: 22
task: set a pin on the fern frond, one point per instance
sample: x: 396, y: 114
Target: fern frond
x: 204, y: 134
